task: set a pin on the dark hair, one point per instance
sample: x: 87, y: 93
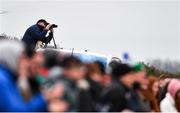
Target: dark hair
x: 51, y: 58
x: 113, y: 64
x: 164, y: 76
x: 101, y: 66
x: 71, y: 62
x: 120, y: 70
x: 42, y: 20
x: 95, y: 67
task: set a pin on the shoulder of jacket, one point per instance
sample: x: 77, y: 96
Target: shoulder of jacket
x: 3, y: 77
x: 33, y: 27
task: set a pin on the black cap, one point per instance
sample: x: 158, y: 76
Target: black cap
x: 42, y: 20
x: 120, y: 70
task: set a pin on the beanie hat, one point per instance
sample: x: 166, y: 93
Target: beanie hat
x: 120, y: 70
x: 138, y: 67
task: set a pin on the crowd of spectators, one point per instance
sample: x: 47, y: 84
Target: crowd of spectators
x: 53, y: 81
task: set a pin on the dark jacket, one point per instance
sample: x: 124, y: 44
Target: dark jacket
x: 85, y: 101
x: 162, y: 92
x: 120, y: 97
x: 115, y: 97
x: 89, y: 100
x: 36, y: 33
x: 71, y: 92
x: 12, y: 100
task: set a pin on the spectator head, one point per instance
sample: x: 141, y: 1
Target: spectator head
x: 73, y: 68
x: 96, y: 71
x: 112, y: 64
x: 14, y: 56
x: 174, y: 87
x: 100, y: 66
x: 124, y: 73
x: 140, y: 74
x: 42, y: 22
x: 163, y: 80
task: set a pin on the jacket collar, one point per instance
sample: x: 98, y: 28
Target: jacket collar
x: 120, y: 83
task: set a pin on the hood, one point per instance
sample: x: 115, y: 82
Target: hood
x: 10, y: 52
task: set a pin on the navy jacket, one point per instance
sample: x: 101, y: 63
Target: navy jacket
x: 11, y: 99
x: 34, y: 34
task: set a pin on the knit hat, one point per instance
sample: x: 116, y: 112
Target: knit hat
x: 173, y: 87
x: 138, y: 67
x: 120, y: 70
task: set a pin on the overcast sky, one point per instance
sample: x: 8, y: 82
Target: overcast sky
x: 144, y: 28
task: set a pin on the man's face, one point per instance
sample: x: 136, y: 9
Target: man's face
x: 75, y: 73
x: 141, y: 78
x: 106, y: 80
x: 97, y: 77
x: 36, y: 62
x: 128, y: 79
x: 163, y: 82
x: 42, y: 24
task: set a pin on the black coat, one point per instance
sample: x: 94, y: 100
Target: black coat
x: 115, y: 97
x: 89, y: 100
x: 119, y: 97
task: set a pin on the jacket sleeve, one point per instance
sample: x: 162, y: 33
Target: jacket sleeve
x: 115, y: 100
x: 37, y: 34
x: 48, y: 38
x: 11, y: 100
x: 118, y: 102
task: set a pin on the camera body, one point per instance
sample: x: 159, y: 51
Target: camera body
x: 53, y: 26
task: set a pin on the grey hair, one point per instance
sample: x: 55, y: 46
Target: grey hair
x: 10, y: 51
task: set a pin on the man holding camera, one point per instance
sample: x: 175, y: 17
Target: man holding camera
x: 37, y: 33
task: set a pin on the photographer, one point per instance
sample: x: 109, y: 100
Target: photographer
x: 37, y: 33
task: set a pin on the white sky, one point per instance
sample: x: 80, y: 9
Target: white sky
x: 144, y: 28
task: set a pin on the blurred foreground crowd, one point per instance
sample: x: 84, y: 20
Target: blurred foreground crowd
x: 49, y: 80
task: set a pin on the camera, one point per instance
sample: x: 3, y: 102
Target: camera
x: 53, y: 26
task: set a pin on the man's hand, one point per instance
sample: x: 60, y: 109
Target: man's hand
x: 48, y: 26
x: 52, y: 31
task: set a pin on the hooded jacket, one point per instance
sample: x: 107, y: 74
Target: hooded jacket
x: 11, y: 99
